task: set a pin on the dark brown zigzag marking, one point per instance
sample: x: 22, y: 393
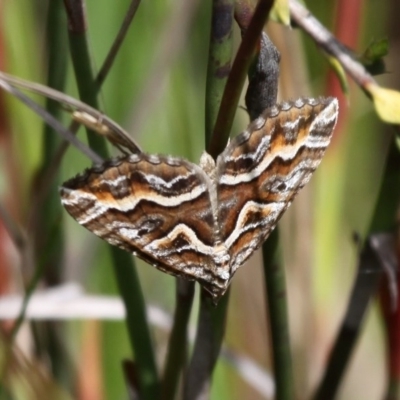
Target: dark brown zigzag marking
x: 272, y: 129
x: 259, y: 188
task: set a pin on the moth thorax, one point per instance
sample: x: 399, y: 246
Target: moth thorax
x: 207, y: 164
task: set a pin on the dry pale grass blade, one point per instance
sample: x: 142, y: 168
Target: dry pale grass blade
x: 81, y: 112
x: 70, y: 302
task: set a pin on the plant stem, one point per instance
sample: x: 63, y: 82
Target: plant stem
x: 278, y: 318
x: 177, y: 346
x: 124, y: 267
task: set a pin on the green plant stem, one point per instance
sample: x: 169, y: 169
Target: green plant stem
x: 278, y: 318
x: 87, y: 87
x: 177, y: 346
x: 124, y: 268
x: 47, y: 230
x: 136, y: 320
x: 211, y: 324
x: 210, y: 334
x: 236, y: 79
x: 48, y: 221
x: 49, y: 227
x: 366, y: 283
x: 212, y: 319
x: 219, y: 60
x: 385, y: 214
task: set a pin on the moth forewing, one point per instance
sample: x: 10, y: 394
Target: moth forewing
x: 204, y: 222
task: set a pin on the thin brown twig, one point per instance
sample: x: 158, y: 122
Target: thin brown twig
x: 325, y: 39
x: 108, y: 62
x: 76, y: 16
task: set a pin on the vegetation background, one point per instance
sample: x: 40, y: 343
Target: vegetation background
x: 317, y: 243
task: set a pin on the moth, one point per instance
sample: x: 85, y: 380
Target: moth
x: 202, y: 222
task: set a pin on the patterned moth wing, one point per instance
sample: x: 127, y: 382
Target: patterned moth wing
x: 156, y: 207
x: 262, y: 169
x: 203, y: 222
